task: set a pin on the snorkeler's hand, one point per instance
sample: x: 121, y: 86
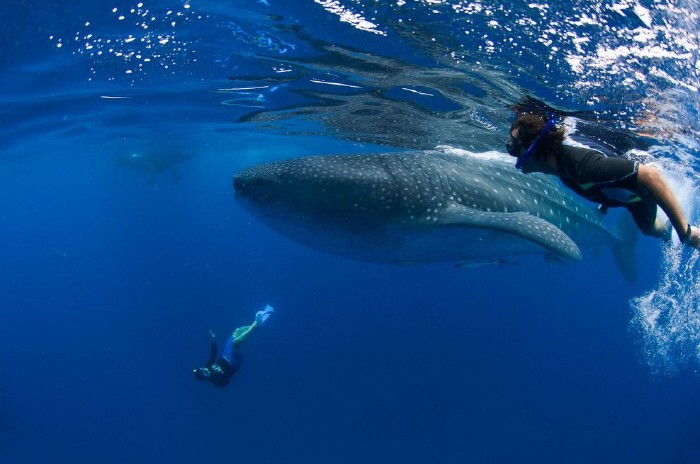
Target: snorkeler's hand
x: 693, y: 238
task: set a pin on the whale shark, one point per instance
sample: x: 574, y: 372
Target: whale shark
x: 420, y: 207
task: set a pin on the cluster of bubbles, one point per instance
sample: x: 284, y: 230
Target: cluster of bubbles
x: 134, y: 40
x: 667, y: 318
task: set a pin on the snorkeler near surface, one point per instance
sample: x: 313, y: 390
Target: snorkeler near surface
x: 611, y: 181
x: 219, y: 371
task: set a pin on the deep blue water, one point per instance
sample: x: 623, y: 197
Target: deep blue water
x: 122, y: 244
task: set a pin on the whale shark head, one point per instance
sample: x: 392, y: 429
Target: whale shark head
x: 324, y: 186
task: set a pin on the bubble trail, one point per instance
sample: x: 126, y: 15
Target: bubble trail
x: 668, y: 317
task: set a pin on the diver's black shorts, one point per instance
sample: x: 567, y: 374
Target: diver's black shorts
x: 622, y: 173
x: 609, y: 172
x: 643, y: 212
x: 611, y: 182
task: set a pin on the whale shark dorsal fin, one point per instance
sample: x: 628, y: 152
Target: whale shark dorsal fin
x: 522, y: 224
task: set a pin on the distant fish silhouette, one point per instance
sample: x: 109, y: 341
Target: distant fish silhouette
x: 480, y: 263
x: 155, y: 163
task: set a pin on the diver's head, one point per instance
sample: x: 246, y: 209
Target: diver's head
x: 201, y: 373
x: 534, y: 137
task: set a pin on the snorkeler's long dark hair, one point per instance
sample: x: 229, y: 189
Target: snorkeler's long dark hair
x: 529, y: 126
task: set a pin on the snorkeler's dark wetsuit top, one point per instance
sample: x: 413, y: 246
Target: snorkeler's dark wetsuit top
x: 610, y: 181
x: 222, y: 369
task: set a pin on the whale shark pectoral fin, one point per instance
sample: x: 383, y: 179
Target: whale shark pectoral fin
x: 522, y: 224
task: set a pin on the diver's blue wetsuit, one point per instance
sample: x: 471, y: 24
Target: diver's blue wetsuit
x: 222, y: 369
x: 219, y: 371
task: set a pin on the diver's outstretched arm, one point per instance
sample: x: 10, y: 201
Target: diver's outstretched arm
x: 212, y: 349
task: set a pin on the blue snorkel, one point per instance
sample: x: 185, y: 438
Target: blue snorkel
x: 533, y: 146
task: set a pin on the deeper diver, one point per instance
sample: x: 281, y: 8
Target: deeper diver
x: 219, y: 371
x: 537, y: 143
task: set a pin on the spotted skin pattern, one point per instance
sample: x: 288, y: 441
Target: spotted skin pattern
x: 418, y: 207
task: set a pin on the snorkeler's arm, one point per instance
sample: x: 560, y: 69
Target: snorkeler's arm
x: 212, y: 349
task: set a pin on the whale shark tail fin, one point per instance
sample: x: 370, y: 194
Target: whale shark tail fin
x: 624, y: 247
